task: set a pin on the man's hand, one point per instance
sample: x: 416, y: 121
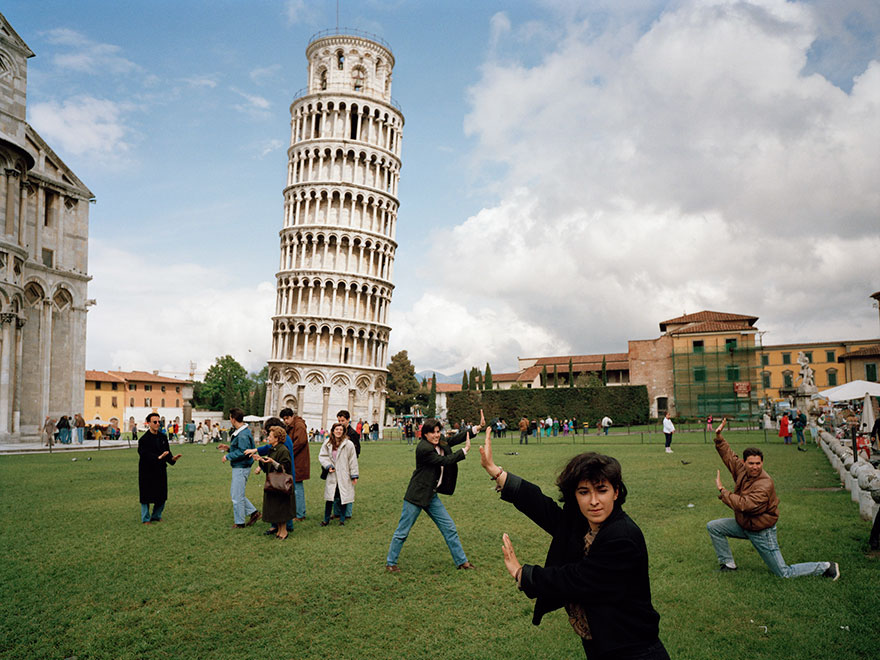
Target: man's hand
x: 720, y: 427
x: 163, y: 455
x: 176, y: 457
x: 718, y: 480
x: 224, y: 458
x: 467, y: 444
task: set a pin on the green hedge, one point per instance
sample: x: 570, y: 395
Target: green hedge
x: 625, y: 404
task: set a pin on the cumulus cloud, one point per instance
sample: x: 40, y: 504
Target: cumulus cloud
x: 84, y: 125
x: 166, y: 317
x: 441, y: 333
x: 301, y: 11
x: 87, y: 56
x: 695, y: 164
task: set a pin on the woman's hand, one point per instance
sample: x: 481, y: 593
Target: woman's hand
x: 176, y: 457
x: 510, y: 560
x: 721, y: 426
x: 163, y: 454
x: 486, y: 459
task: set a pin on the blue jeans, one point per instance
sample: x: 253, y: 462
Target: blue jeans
x: 64, y: 436
x: 80, y: 434
x: 158, y: 508
x: 766, y: 545
x: 300, y: 493
x: 241, y: 505
x: 800, y: 436
x: 437, y: 512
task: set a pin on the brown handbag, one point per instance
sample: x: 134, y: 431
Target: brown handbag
x: 279, y: 482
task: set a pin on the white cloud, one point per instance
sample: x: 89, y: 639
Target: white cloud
x: 209, y: 82
x: 269, y: 146
x: 167, y: 314
x: 301, y: 11
x: 263, y: 75
x: 255, y: 105
x: 692, y: 166
x: 84, y: 125
x: 88, y: 56
x: 442, y: 334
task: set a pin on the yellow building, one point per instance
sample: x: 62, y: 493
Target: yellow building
x: 104, y: 397
x: 780, y: 371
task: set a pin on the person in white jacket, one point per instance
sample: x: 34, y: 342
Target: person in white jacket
x: 339, y: 459
x: 668, y: 430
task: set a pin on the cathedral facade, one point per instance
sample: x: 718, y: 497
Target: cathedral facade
x: 330, y: 328
x: 43, y: 263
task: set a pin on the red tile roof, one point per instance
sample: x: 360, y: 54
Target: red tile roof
x: 146, y: 376
x: 449, y: 387
x: 867, y: 351
x: 712, y: 326
x: 505, y: 378
x: 103, y: 377
x: 707, y: 315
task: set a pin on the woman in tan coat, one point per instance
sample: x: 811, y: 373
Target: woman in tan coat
x: 339, y: 459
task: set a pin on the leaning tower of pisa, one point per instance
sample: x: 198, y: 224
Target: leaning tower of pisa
x: 330, y: 329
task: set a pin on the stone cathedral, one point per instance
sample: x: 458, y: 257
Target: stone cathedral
x: 43, y: 263
x: 330, y: 329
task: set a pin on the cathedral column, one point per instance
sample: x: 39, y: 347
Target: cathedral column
x: 11, y: 187
x: 7, y: 321
x: 295, y: 334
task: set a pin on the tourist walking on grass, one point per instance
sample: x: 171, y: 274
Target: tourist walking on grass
x: 154, y: 457
x: 339, y: 459
x: 49, y: 432
x: 756, y: 510
x: 800, y: 423
x: 668, y: 430
x: 436, y: 473
x: 278, y: 507
x: 606, y: 423
x: 784, y: 431
x: 244, y: 513
x: 597, y: 563
x: 80, y: 425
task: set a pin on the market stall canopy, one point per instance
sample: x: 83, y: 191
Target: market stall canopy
x: 856, y: 389
x: 257, y: 418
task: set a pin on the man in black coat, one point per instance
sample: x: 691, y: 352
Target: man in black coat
x: 436, y: 472
x: 155, y: 456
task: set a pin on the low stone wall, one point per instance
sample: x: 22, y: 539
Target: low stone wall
x: 859, y: 477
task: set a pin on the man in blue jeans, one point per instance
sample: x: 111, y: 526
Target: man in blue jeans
x: 243, y: 512
x: 436, y: 472
x: 756, y: 510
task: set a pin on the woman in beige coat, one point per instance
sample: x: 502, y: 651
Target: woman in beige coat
x: 338, y: 458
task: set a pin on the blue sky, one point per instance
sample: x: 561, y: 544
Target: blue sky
x: 573, y: 172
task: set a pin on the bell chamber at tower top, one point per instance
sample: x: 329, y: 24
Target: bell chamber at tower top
x: 350, y: 63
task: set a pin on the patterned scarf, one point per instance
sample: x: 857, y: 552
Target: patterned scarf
x: 577, y: 615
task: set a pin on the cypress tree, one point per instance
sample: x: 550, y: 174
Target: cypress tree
x: 544, y: 376
x: 432, y: 397
x: 604, y: 372
x: 487, y: 379
x: 464, y: 380
x: 555, y: 377
x: 570, y: 374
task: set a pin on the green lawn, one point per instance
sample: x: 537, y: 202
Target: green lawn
x: 82, y: 577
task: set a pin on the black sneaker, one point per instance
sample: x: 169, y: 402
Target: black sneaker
x: 724, y: 568
x: 832, y: 571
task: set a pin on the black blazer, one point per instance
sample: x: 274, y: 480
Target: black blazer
x: 422, y: 485
x: 611, y: 582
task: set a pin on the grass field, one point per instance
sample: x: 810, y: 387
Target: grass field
x: 82, y: 577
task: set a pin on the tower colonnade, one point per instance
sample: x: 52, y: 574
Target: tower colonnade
x: 337, y: 241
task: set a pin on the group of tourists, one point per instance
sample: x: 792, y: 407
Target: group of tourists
x: 553, y: 426
x: 70, y: 429
x: 596, y: 567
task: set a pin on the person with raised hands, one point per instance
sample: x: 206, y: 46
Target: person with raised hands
x: 597, y: 564
x: 436, y: 473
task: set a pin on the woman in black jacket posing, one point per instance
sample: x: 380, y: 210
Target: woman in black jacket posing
x: 597, y: 564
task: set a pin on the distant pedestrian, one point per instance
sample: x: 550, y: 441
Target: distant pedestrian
x: 524, y: 430
x: 709, y: 423
x: 63, y: 427
x: 668, y: 430
x: 800, y: 423
x: 49, y: 432
x: 606, y: 423
x: 80, y: 425
x: 784, y: 431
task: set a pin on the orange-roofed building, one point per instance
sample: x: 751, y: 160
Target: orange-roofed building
x: 104, y: 397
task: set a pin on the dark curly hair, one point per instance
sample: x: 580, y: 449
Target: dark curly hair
x: 591, y: 467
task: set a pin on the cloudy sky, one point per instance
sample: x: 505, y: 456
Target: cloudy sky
x: 574, y: 172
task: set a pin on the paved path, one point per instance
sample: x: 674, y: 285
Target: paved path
x: 36, y: 447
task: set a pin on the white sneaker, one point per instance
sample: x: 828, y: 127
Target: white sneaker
x: 669, y: 450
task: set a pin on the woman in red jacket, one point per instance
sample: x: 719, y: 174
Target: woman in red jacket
x: 785, y: 429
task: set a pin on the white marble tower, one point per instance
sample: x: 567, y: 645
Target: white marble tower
x: 330, y: 329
